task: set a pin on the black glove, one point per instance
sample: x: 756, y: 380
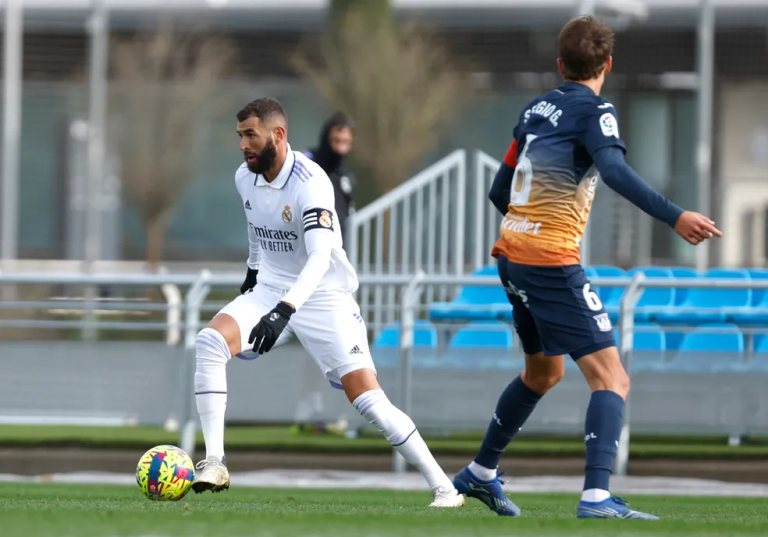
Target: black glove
x: 264, y: 335
x: 250, y: 281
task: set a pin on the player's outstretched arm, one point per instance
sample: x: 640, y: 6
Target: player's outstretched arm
x: 316, y: 203
x: 621, y: 178
x: 502, y: 183
x: 319, y: 243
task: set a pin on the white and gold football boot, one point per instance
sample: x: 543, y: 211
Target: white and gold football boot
x: 211, y: 474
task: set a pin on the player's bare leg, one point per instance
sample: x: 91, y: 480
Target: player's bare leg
x: 365, y: 394
x: 609, y: 383
x: 480, y: 480
x: 214, y: 346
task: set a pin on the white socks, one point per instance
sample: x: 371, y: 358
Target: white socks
x: 481, y: 472
x: 595, y: 495
x: 212, y: 354
x: 401, y: 432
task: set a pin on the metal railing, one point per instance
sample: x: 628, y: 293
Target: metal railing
x: 168, y: 285
x: 198, y: 287
x: 487, y: 220
x: 421, y: 223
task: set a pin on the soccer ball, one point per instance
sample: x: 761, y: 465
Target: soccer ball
x: 165, y: 473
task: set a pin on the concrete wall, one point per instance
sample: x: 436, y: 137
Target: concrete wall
x: 141, y: 382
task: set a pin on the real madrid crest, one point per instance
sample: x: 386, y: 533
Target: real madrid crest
x: 325, y: 219
x: 287, y: 216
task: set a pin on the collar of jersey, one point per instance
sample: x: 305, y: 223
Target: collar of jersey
x: 285, y: 172
x: 575, y: 86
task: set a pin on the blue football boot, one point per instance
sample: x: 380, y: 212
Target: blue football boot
x: 610, y: 508
x: 488, y: 492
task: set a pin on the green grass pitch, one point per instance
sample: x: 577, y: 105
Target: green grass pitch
x: 89, y: 510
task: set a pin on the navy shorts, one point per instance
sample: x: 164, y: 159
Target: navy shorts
x: 555, y: 309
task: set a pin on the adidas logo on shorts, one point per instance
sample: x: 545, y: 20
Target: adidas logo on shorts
x: 355, y: 350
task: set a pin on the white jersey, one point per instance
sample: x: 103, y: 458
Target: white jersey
x: 280, y: 214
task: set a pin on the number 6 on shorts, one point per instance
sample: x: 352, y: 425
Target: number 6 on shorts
x: 591, y: 298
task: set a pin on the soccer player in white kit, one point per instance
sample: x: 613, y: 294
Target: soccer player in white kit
x: 299, y: 282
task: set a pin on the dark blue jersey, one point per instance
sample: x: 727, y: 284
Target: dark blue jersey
x: 561, y: 140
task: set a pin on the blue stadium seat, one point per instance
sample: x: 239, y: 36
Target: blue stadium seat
x: 761, y: 344
x: 711, y: 348
x: 682, y: 273
x: 674, y: 340
x: 610, y: 296
x: 714, y: 337
x: 385, y: 349
x: 487, y: 270
x: 493, y: 299
x: 653, y: 299
x: 424, y: 335
x: 758, y: 295
x: 480, y: 345
x: 608, y: 271
x: 649, y: 337
x: 757, y: 314
x: 710, y: 305
x: 649, y: 346
x: 484, y: 334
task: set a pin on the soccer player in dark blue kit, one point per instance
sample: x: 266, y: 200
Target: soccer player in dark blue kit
x: 565, y: 140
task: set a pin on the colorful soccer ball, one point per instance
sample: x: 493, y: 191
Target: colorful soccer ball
x: 165, y: 473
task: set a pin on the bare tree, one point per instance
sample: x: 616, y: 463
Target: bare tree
x: 164, y: 90
x: 395, y: 81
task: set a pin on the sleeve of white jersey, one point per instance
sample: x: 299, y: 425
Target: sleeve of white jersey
x: 316, y: 203
x: 254, y: 250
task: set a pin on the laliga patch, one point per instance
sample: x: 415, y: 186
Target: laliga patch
x: 608, y: 125
x: 603, y: 322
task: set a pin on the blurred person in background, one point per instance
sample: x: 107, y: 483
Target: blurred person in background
x: 336, y: 137
x: 335, y: 143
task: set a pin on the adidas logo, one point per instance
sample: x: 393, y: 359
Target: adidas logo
x: 355, y: 350
x: 248, y: 204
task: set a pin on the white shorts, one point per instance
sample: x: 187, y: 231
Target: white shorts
x: 329, y: 327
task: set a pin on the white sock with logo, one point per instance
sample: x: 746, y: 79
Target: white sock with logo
x: 212, y: 354
x: 481, y: 472
x: 595, y: 495
x: 401, y: 432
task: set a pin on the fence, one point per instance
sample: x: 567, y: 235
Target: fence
x: 438, y: 221
x: 153, y: 383
x: 421, y: 223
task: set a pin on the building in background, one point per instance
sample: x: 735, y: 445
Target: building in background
x: 510, y: 53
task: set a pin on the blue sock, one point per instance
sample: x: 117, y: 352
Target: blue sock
x: 602, y: 431
x: 515, y: 405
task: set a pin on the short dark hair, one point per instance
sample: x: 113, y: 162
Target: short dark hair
x: 340, y: 120
x: 265, y: 109
x: 585, y: 45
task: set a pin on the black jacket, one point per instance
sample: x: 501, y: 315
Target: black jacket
x: 344, y: 182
